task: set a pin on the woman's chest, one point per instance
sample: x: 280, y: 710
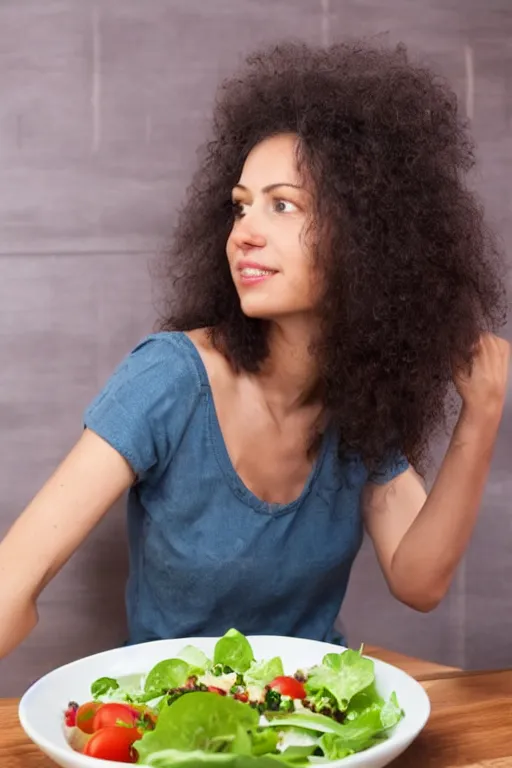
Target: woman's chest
x: 200, y: 513
x: 272, y: 459
x: 274, y: 466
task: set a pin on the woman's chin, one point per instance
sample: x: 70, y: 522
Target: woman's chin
x: 273, y: 311
x: 259, y: 310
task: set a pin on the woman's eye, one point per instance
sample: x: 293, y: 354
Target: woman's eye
x: 284, y: 206
x: 238, y: 209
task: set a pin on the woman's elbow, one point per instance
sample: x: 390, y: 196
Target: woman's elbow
x: 421, y: 600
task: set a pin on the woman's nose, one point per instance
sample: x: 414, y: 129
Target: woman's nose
x: 246, y: 234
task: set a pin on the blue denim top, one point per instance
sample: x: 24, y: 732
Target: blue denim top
x: 205, y: 553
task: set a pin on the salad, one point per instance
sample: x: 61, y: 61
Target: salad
x: 234, y: 710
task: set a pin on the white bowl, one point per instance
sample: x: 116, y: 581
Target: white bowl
x: 41, y: 708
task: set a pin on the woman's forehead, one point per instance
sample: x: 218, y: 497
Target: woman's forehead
x: 272, y: 161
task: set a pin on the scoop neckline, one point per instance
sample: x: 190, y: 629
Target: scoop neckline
x: 235, y: 482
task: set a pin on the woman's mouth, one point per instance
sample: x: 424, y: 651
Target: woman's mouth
x: 250, y: 275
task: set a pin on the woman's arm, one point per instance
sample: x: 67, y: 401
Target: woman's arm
x: 89, y: 480
x: 420, y: 540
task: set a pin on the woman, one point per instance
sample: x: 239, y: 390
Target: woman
x: 330, y: 275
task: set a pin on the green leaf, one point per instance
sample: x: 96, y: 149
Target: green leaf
x: 261, y: 673
x: 311, y: 721
x: 144, y: 698
x: 241, y: 744
x: 171, y: 673
x: 103, y: 685
x: 333, y: 747
x: 203, y: 721
x: 332, y: 660
x: 391, y: 713
x: 264, y: 740
x: 173, y: 758
x: 195, y: 658
x: 234, y: 650
x: 352, y: 675
x: 362, y: 732
x: 357, y: 736
x: 366, y: 700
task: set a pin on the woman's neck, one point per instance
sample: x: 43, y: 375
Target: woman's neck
x: 289, y: 375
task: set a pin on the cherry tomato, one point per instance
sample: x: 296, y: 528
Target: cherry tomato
x: 85, y: 715
x: 241, y: 696
x: 115, y: 713
x: 288, y: 686
x: 213, y: 689
x: 113, y: 743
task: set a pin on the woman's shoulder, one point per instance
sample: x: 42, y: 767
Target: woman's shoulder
x: 147, y: 402
x: 188, y: 358
x: 165, y: 352
x: 186, y: 353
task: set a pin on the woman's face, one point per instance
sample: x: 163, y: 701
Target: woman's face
x: 268, y: 256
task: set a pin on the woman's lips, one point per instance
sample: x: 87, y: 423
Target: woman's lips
x: 252, y: 274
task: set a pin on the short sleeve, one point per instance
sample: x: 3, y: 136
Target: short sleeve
x: 144, y: 407
x: 388, y: 470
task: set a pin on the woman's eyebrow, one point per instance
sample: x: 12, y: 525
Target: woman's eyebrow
x: 270, y: 187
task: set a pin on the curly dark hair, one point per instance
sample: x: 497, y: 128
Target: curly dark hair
x: 412, y: 273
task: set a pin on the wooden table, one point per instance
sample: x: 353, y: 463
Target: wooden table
x: 470, y: 725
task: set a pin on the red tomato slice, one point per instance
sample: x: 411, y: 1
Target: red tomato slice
x: 85, y: 715
x: 115, y: 713
x: 213, y: 689
x: 288, y: 686
x: 113, y: 743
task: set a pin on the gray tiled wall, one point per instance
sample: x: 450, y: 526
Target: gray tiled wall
x: 102, y: 105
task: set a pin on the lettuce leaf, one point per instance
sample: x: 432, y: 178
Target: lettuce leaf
x: 358, y: 735
x: 342, y: 678
x: 332, y: 660
x: 201, y: 721
x: 173, y: 758
x: 234, y: 650
x: 171, y: 673
x: 334, y: 747
x: 311, y: 721
x: 363, y: 731
x: 102, y: 686
x: 264, y: 740
x: 261, y: 673
x: 391, y: 712
x: 364, y: 701
x: 196, y: 659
